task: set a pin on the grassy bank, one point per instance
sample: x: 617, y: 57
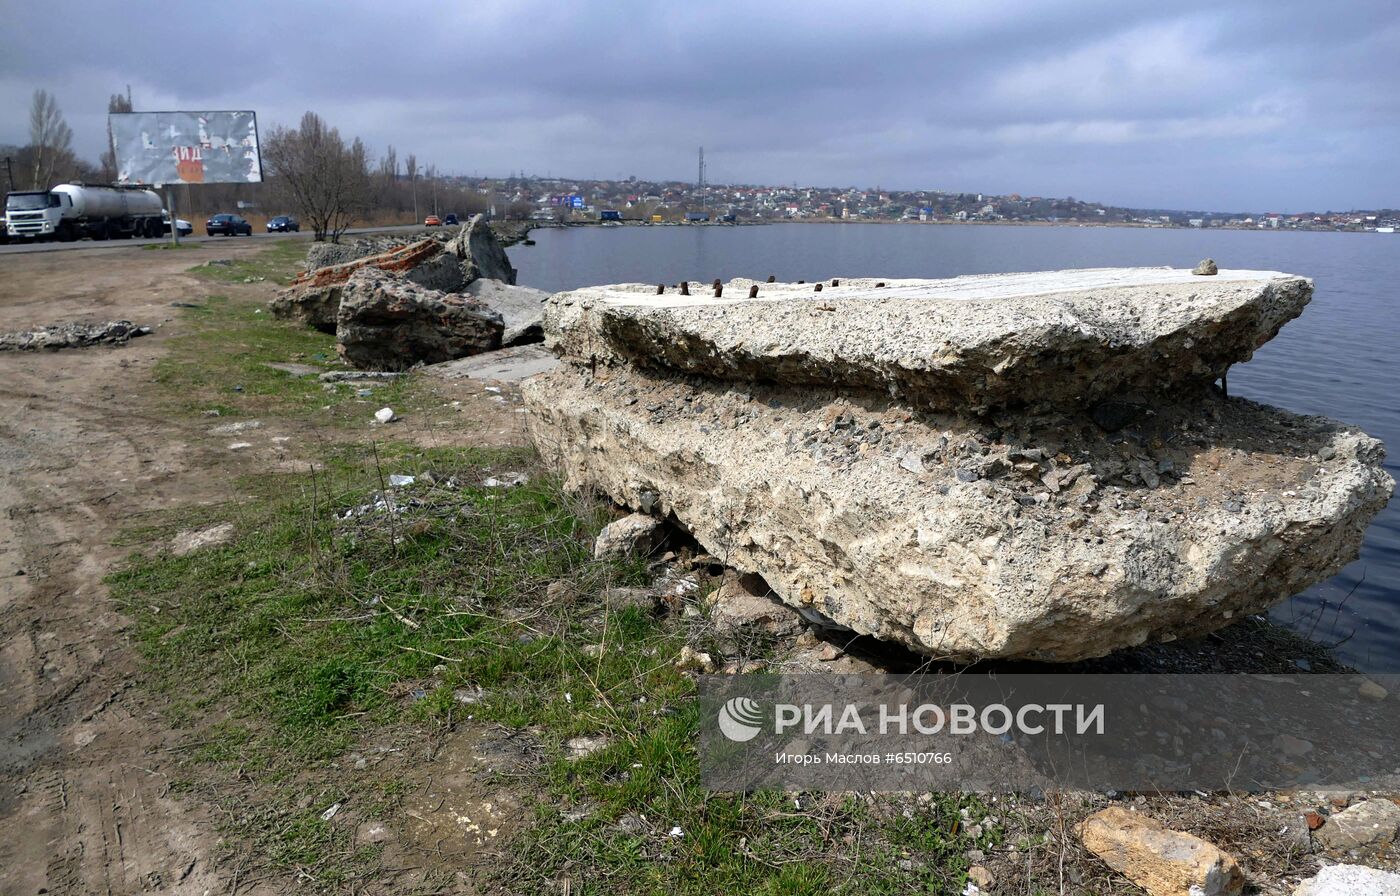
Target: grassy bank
x: 353, y: 643
x: 343, y: 614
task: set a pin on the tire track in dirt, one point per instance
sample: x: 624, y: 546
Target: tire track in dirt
x: 85, y: 806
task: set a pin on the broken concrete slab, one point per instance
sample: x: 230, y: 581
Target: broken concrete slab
x: 522, y: 309
x: 476, y: 244
x: 72, y: 335
x: 1161, y: 861
x: 309, y: 305
x: 507, y: 365
x: 388, y: 323
x: 970, y: 343
x: 1014, y: 535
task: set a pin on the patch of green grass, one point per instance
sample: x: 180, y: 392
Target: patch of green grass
x: 223, y: 364
x: 278, y: 264
x: 328, y: 623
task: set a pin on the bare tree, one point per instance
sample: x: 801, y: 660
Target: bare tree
x: 316, y: 173
x: 411, y: 167
x: 118, y: 102
x: 51, y: 138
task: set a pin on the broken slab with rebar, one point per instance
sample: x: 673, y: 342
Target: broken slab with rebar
x: 967, y: 343
x: 915, y: 495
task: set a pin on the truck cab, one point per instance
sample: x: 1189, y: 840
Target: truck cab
x: 35, y: 214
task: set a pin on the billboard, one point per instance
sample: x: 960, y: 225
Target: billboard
x: 186, y: 147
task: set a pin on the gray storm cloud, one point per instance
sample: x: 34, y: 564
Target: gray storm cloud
x: 1231, y: 106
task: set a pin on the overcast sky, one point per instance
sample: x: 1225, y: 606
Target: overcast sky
x: 1257, y: 106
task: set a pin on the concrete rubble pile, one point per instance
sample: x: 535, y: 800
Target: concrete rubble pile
x: 1023, y: 466
x: 418, y: 281
x: 72, y: 335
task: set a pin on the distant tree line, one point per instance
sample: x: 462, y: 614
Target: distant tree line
x: 310, y: 171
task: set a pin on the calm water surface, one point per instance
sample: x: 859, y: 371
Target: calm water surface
x: 1340, y: 359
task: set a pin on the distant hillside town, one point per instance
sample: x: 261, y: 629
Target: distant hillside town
x: 566, y: 200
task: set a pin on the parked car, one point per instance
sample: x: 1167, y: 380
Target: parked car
x: 228, y: 225
x: 183, y: 227
x: 283, y: 224
x: 449, y: 221
x: 432, y: 221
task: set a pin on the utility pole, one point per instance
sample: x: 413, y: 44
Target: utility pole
x: 700, y: 183
x: 10, y: 169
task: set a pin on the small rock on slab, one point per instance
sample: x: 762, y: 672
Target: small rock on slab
x: 1159, y: 860
x: 1370, y: 823
x: 1372, y: 691
x: 1350, y: 880
x: 1206, y: 268
x: 633, y: 534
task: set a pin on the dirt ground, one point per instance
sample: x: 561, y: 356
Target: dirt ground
x: 85, y: 805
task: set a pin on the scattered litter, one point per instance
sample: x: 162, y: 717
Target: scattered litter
x: 378, y: 503
x: 398, y: 481
x: 330, y: 813
x: 239, y: 446
x: 363, y: 393
x: 468, y: 696
x: 385, y: 415
x: 509, y: 480
x: 495, y: 389
x: 676, y: 832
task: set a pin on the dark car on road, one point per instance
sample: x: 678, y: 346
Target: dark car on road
x: 449, y: 220
x: 283, y: 224
x: 228, y: 225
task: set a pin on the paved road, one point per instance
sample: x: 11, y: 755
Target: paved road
x: 22, y: 247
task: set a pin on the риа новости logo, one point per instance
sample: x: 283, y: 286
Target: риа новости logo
x: 740, y: 719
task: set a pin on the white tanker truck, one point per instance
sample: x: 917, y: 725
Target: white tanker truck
x: 73, y: 211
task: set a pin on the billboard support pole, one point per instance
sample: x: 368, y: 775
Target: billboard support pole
x: 174, y: 221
